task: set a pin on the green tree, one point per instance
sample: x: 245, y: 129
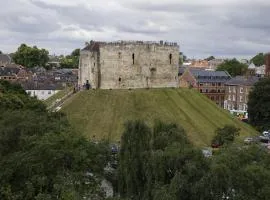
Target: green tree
x: 210, y: 58
x: 225, y: 135
x: 159, y: 163
x: 31, y: 56
x: 72, y: 60
x: 41, y: 157
x: 259, y: 105
x: 238, y: 173
x: 258, y: 60
x: 182, y: 58
x: 233, y: 67
x: 135, y: 144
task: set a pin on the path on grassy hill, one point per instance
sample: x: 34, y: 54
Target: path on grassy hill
x: 100, y: 114
x: 59, y: 102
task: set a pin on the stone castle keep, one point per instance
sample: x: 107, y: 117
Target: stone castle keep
x: 129, y: 64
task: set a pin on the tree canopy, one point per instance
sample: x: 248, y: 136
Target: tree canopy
x: 233, y: 67
x: 225, y: 135
x: 259, y: 105
x: 72, y: 60
x: 31, y: 56
x: 258, y: 60
x: 41, y: 156
x: 161, y: 163
x: 210, y: 58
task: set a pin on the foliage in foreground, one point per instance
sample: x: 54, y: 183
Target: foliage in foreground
x: 40, y: 155
x: 259, y: 105
x: 161, y: 164
x: 225, y: 135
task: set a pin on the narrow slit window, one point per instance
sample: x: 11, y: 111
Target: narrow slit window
x: 133, y: 57
x: 170, y: 57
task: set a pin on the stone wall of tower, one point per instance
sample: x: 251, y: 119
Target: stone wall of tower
x: 124, y: 65
x: 88, y: 70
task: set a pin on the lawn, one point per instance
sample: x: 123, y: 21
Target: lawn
x: 58, y: 95
x: 100, y: 114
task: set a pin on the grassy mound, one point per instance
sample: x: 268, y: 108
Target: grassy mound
x: 100, y: 114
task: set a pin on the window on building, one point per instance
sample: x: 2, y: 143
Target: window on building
x: 94, y: 64
x: 92, y: 70
x: 201, y: 84
x: 240, y: 107
x: 245, y: 107
x: 229, y: 97
x: 170, y: 57
x: 133, y: 58
x: 219, y: 84
x: 200, y: 90
x: 119, y: 79
x: 50, y: 92
x: 234, y: 90
x: 241, y: 98
x: 241, y: 90
x: 233, y: 98
x: 119, y: 55
x: 230, y: 89
x: 213, y: 84
x: 206, y: 91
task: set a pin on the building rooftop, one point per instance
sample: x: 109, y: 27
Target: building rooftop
x: 251, y: 66
x: 5, y: 58
x: 9, y: 71
x: 243, y: 80
x: 210, y: 76
x: 34, y: 85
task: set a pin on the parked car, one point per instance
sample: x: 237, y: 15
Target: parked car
x: 266, y: 133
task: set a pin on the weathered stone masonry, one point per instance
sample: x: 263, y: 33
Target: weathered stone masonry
x: 129, y: 65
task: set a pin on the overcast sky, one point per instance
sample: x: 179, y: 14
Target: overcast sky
x: 223, y: 28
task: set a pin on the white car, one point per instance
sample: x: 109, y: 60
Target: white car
x: 266, y: 133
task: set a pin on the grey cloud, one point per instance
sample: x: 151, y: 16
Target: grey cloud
x: 227, y: 29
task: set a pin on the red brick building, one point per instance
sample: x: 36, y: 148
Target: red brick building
x: 267, y: 65
x: 209, y: 83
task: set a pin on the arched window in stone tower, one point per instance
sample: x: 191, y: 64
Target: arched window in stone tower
x: 170, y: 57
x: 133, y: 57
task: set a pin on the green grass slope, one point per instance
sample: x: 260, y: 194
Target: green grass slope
x: 101, y: 114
